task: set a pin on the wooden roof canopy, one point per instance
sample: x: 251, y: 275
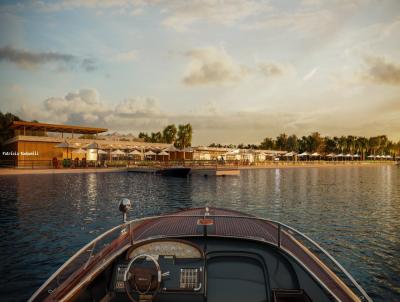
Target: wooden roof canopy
x: 20, y: 125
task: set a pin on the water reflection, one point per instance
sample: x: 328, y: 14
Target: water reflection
x: 353, y: 212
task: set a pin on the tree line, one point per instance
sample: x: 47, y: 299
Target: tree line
x: 375, y: 145
x: 181, y: 137
x: 6, y: 120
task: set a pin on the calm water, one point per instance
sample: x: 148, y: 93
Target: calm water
x: 353, y: 212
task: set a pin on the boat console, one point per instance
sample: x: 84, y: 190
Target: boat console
x: 180, y: 270
x: 161, y: 268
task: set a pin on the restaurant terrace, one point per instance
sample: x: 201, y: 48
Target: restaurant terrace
x: 49, y: 145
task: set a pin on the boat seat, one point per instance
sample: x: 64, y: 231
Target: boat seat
x: 290, y: 295
x: 235, y: 279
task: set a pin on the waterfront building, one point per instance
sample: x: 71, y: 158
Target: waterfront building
x: 38, y: 144
x: 234, y: 154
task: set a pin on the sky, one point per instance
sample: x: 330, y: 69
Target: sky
x: 238, y: 71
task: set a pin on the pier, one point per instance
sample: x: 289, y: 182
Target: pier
x: 194, y: 171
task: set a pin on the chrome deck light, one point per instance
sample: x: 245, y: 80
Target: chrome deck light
x: 124, y: 207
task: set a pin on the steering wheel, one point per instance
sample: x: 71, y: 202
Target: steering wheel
x: 142, y: 280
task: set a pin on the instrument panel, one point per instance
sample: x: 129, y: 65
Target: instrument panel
x: 177, y: 249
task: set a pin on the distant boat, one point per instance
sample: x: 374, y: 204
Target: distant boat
x: 174, y: 171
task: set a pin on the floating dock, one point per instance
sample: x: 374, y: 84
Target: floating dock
x: 197, y: 171
x: 214, y: 172
x: 152, y: 170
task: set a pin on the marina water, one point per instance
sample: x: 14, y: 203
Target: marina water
x: 353, y: 212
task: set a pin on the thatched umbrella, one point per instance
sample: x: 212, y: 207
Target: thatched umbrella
x: 163, y: 153
x: 149, y: 153
x: 135, y: 152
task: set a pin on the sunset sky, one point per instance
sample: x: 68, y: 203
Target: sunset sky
x: 237, y: 70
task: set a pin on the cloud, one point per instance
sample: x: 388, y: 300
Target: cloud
x: 178, y: 15
x: 381, y: 70
x: 124, y: 57
x: 86, y: 107
x: 138, y: 107
x: 298, y: 21
x: 212, y: 66
x: 31, y: 60
x: 269, y: 69
x: 52, y: 6
x: 182, y: 14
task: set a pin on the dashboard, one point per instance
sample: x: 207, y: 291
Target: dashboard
x: 181, y: 263
x: 176, y: 249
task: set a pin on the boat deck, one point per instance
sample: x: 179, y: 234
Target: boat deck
x: 236, y: 225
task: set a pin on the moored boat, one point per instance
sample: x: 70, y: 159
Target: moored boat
x: 201, y: 254
x: 174, y: 171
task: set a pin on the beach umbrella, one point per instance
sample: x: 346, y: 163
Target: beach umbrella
x: 93, y: 145
x: 149, y: 153
x: 170, y: 148
x: 388, y: 156
x: 331, y: 155
x: 378, y: 156
x: 102, y: 152
x: 62, y: 145
x: 135, y: 152
x: 356, y: 155
x: 315, y: 154
x: 65, y: 145
x: 304, y: 154
x: 163, y: 153
x: 340, y: 155
x: 348, y: 155
x: 79, y: 151
x: 118, y: 152
x: 289, y: 154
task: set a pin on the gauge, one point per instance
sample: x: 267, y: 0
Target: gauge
x: 178, y: 249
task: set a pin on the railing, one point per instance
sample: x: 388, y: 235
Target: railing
x: 98, y: 251
x: 321, y: 249
x: 97, y: 254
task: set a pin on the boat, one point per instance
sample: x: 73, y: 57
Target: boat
x: 174, y: 171
x: 201, y: 254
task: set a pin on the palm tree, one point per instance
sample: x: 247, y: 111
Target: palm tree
x: 293, y: 143
x: 351, y: 143
x: 362, y: 145
x: 169, y: 134
x: 342, y: 143
x: 184, y: 138
x: 281, y: 141
x: 374, y: 144
x: 266, y: 144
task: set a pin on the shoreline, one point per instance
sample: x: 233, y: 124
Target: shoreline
x: 280, y: 165
x: 20, y: 171
x: 289, y: 165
